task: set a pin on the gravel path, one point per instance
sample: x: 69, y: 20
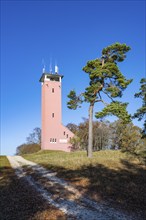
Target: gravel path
x: 61, y: 195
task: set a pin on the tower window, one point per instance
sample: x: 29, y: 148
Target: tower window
x: 53, y: 140
x: 64, y: 132
x: 67, y: 136
x: 54, y: 79
x: 52, y: 115
x: 52, y: 90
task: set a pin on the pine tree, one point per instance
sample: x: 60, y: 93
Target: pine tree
x: 105, y: 78
x: 141, y: 112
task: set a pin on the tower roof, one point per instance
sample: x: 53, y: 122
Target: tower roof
x: 50, y: 76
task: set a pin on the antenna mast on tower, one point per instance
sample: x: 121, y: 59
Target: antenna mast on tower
x: 56, y: 68
x: 51, y: 65
x: 44, y: 66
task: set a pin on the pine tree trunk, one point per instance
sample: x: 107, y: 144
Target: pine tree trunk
x: 90, y: 136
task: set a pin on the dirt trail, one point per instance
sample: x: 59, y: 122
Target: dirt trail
x: 61, y: 195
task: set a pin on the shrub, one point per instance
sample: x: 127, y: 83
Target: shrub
x: 27, y: 149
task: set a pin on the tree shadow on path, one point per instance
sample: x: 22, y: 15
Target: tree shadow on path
x: 19, y: 200
x: 124, y: 188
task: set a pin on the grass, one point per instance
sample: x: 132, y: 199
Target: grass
x: 75, y: 160
x: 110, y: 175
x: 20, y: 201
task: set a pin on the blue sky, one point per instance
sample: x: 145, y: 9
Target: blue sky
x: 70, y: 33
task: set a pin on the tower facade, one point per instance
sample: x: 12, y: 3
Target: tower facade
x: 54, y: 135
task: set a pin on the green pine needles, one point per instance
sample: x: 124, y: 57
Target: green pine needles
x: 117, y: 109
x: 141, y: 112
x: 105, y: 78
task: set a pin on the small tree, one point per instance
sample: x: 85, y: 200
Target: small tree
x: 116, y: 132
x: 72, y: 127
x: 100, y: 135
x: 141, y: 112
x: 27, y: 149
x: 131, y: 139
x: 104, y: 78
x: 126, y: 137
x: 34, y: 137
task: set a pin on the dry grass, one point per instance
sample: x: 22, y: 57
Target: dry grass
x: 18, y: 200
x: 75, y: 160
x: 109, y: 175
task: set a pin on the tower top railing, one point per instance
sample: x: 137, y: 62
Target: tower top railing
x: 50, y: 77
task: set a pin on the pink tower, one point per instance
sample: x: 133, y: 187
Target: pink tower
x: 54, y: 135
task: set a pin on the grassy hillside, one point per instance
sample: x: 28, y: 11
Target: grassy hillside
x: 110, y: 159
x: 110, y: 175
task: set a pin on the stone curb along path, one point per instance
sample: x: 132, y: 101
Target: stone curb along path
x: 75, y: 205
